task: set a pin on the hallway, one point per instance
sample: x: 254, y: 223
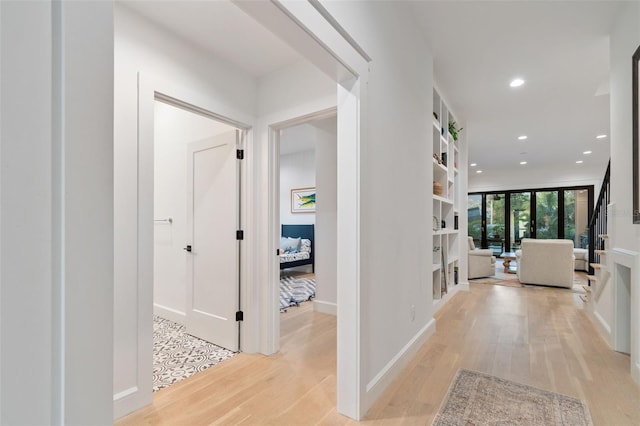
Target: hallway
x: 537, y: 336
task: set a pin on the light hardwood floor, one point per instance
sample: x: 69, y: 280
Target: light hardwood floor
x: 538, y: 336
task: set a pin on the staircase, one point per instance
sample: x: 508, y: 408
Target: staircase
x: 598, y: 242
x: 600, y: 273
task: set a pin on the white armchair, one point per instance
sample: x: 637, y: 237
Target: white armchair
x: 481, y: 261
x: 546, y: 262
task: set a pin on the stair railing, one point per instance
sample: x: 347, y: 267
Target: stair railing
x: 598, y: 221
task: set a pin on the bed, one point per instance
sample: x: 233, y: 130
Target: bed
x: 302, y: 256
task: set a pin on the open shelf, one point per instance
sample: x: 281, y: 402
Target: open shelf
x: 447, y: 240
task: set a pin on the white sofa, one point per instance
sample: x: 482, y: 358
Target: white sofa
x: 546, y: 262
x: 582, y: 259
x: 481, y: 261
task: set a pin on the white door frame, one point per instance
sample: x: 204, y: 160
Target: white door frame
x: 151, y: 89
x: 310, y: 29
x: 273, y: 294
x: 349, y: 387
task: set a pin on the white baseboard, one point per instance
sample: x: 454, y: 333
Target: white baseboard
x: 439, y: 303
x: 325, y: 307
x: 128, y: 401
x: 635, y: 373
x: 603, y: 327
x: 169, y: 313
x: 392, y: 370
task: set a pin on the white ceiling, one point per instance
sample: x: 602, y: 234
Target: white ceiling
x: 559, y: 48
x: 222, y: 29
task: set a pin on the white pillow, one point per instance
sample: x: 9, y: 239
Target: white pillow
x: 289, y: 245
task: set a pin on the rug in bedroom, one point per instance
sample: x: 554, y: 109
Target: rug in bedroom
x: 481, y: 399
x: 294, y: 291
x: 178, y: 355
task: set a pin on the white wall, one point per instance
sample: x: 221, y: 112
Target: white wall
x: 395, y: 203
x: 625, y: 39
x: 188, y: 74
x: 25, y: 214
x: 174, y: 129
x: 326, y: 217
x: 56, y: 223
x: 297, y: 170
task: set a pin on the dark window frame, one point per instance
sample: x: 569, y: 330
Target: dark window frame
x: 507, y: 194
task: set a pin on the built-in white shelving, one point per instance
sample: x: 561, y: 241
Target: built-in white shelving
x: 446, y: 238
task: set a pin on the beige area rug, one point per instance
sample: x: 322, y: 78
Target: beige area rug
x: 497, y: 281
x: 476, y: 399
x: 514, y: 282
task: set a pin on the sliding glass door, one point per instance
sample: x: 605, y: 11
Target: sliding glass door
x: 495, y: 223
x: 546, y: 214
x: 500, y: 220
x: 576, y: 217
x: 520, y: 215
x: 474, y: 212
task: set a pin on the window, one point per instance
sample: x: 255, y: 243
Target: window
x: 510, y: 216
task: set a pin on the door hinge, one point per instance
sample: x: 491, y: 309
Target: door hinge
x: 239, y: 235
x: 240, y: 154
x: 239, y: 316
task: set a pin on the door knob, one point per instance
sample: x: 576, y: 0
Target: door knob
x: 187, y: 248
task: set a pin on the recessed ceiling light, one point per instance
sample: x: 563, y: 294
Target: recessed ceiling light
x: 523, y: 137
x: 601, y: 136
x: 473, y: 164
x: 516, y: 82
x: 587, y: 152
x: 523, y: 162
x: 579, y: 162
x: 478, y: 171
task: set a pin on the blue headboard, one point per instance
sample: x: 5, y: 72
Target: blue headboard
x: 295, y: 231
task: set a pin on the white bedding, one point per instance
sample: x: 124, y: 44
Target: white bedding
x: 291, y: 257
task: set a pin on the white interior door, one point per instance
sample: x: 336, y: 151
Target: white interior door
x: 212, y: 264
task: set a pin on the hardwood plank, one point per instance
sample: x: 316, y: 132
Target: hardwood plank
x: 533, y: 335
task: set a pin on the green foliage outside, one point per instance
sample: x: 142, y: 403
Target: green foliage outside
x: 570, y: 215
x: 546, y: 214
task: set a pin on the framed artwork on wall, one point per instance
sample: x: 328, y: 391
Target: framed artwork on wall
x: 303, y: 200
x: 636, y: 134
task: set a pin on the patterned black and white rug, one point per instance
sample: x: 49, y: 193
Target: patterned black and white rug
x: 294, y: 291
x: 178, y: 355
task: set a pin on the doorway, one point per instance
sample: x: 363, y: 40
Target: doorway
x: 196, y: 252
x: 296, y: 146
x: 308, y: 210
x: 258, y: 325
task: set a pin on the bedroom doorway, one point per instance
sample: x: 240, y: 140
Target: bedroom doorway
x: 308, y: 234
x: 196, y: 253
